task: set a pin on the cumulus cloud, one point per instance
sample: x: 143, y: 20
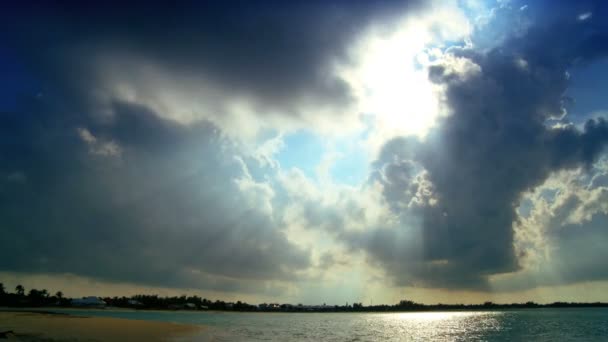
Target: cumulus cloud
x: 128, y: 163
x: 176, y: 208
x: 562, y: 234
x: 457, y: 191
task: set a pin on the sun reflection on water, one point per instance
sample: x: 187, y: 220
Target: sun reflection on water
x: 434, y: 316
x: 442, y: 326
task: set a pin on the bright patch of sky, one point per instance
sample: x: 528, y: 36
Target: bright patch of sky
x: 390, y: 82
x: 474, y: 8
x: 343, y: 160
x: 303, y: 150
x: 525, y: 207
x: 350, y: 164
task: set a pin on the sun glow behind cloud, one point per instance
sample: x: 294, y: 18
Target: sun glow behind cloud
x: 394, y: 88
x: 390, y: 77
x: 387, y: 77
x: 392, y: 96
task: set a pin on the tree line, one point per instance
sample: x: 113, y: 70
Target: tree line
x: 33, y: 297
x: 42, y: 298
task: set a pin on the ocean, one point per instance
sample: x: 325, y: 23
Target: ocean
x: 588, y: 324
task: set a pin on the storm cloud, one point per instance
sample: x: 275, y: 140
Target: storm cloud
x: 98, y: 183
x: 497, y: 142
x: 139, y: 199
x: 214, y: 60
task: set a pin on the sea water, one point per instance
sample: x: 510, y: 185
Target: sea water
x: 587, y: 324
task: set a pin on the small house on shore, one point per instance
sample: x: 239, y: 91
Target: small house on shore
x: 91, y: 302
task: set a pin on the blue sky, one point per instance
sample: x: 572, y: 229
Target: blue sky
x: 16, y: 81
x: 306, y: 151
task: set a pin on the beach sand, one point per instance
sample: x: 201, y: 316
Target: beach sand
x: 36, y: 326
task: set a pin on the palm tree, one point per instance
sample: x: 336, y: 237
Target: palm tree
x: 59, y: 295
x: 2, y: 289
x: 34, y: 293
x: 20, y: 290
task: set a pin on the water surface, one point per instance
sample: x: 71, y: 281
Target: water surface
x: 588, y: 324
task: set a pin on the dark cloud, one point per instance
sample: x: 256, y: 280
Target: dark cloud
x: 572, y: 224
x: 278, y: 53
x: 580, y: 252
x: 133, y: 197
x: 162, y: 207
x: 496, y: 144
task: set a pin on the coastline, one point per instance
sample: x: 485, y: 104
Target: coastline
x: 39, y: 325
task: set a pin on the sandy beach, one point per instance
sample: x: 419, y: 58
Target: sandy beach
x: 38, y: 326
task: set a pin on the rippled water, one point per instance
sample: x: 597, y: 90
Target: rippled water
x: 523, y: 325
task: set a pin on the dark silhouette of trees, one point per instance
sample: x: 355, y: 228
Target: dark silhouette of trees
x: 3, y: 294
x: 40, y: 298
x: 20, y: 290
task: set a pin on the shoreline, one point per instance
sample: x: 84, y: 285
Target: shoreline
x: 40, y: 325
x: 53, y: 310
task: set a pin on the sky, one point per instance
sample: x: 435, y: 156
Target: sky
x: 306, y: 151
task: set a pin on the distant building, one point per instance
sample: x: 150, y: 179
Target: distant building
x: 185, y: 306
x: 91, y: 301
x: 136, y: 303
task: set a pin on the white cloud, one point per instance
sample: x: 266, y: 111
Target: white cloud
x: 565, y: 206
x: 106, y: 148
x: 584, y: 16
